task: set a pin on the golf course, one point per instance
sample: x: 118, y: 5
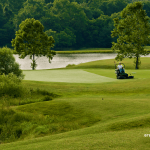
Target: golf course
x: 80, y: 107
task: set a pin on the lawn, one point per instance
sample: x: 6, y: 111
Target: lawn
x: 94, y: 110
x: 66, y: 75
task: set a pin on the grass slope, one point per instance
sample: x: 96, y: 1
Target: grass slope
x: 109, y: 115
x: 109, y: 64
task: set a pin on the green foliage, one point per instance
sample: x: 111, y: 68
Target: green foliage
x: 8, y: 64
x: 47, y: 98
x: 61, y: 15
x: 112, y: 6
x: 32, y: 40
x: 65, y: 38
x: 10, y: 85
x: 45, y: 93
x: 29, y: 9
x: 70, y: 65
x: 33, y: 64
x: 133, y: 31
x: 10, y: 121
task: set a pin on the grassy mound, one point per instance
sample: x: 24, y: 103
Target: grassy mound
x: 42, y: 118
x: 137, y: 122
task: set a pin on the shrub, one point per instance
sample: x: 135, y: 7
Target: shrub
x: 11, y: 85
x: 10, y: 124
x: 8, y: 64
x: 47, y: 98
x: 46, y: 93
x: 70, y: 65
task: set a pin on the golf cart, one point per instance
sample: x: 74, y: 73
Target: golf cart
x: 120, y: 75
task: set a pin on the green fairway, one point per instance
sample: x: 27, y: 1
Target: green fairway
x: 66, y: 75
x: 93, y: 111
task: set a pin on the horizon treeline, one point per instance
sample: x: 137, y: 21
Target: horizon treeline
x: 74, y: 24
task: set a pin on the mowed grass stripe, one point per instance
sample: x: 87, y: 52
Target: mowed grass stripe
x: 66, y: 75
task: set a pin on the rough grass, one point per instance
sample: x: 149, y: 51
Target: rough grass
x: 120, y: 111
x: 86, y: 50
x: 90, y: 50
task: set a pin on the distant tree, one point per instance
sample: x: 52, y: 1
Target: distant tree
x: 98, y: 32
x: 69, y: 20
x: 133, y: 31
x: 95, y: 9
x: 31, y: 9
x: 6, y: 28
x: 8, y: 64
x: 52, y: 33
x: 146, y: 6
x: 65, y: 38
x: 49, y: 1
x: 32, y: 40
x: 113, y: 6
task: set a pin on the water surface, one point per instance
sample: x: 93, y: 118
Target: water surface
x: 62, y: 60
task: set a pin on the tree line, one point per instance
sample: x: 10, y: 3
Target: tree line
x: 73, y: 24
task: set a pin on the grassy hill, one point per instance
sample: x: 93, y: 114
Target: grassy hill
x: 92, y: 109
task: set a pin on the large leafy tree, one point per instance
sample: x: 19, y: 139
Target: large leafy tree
x: 133, y: 33
x: 33, y: 41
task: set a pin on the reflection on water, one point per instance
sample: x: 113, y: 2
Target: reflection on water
x: 62, y: 60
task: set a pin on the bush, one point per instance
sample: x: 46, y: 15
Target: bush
x: 11, y: 85
x: 46, y: 93
x: 8, y: 64
x: 47, y: 98
x: 70, y: 65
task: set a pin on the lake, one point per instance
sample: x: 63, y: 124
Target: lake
x: 62, y: 60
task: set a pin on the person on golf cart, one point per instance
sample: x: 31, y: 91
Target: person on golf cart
x: 121, y: 70
x: 120, y: 67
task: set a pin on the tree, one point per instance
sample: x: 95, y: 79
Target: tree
x: 65, y: 38
x: 32, y: 40
x: 8, y: 64
x: 69, y: 15
x: 146, y: 6
x: 133, y: 31
x: 98, y: 32
x: 31, y: 9
x: 112, y: 6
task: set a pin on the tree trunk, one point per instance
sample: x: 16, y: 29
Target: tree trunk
x: 137, y: 62
x: 33, y: 62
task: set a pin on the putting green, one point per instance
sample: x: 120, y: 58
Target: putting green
x: 66, y: 75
